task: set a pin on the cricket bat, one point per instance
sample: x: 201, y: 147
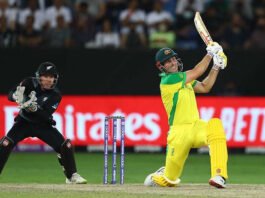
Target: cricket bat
x: 201, y: 28
x: 203, y: 32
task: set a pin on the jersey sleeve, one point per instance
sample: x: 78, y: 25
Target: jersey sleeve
x: 170, y: 79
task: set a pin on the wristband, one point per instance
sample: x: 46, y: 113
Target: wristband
x: 216, y: 67
x: 210, y: 54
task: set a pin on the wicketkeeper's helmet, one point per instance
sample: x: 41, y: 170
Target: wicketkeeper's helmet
x: 47, y: 68
x: 163, y: 55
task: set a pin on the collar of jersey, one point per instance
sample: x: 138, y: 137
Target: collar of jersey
x: 165, y: 74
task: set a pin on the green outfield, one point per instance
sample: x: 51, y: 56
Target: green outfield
x: 31, y: 174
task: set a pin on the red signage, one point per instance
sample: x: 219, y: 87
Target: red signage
x: 81, y: 118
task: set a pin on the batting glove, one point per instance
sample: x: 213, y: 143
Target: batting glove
x: 220, y: 61
x: 214, y: 48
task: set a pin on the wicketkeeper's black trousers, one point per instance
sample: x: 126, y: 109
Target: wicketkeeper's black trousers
x: 45, y: 132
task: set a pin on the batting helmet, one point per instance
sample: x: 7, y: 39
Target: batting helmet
x: 47, y: 68
x: 164, y: 54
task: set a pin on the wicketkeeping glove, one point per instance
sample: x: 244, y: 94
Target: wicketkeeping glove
x: 31, y: 104
x: 214, y: 48
x: 220, y: 61
x: 18, y: 95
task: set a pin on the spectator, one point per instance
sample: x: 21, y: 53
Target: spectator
x: 113, y: 10
x: 185, y: 9
x: 158, y: 16
x: 170, y: 6
x: 107, y: 38
x: 32, y: 9
x: 222, y: 6
x: 162, y: 37
x: 84, y: 28
x: 95, y: 8
x: 29, y: 37
x: 54, y: 11
x: 187, y: 37
x: 242, y: 7
x: 12, y: 2
x: 101, y: 16
x: 257, y: 38
x: 235, y: 33
x: 133, y: 25
x: 9, y: 13
x: 215, y: 21
x: 7, y: 36
x: 43, y: 4
x: 146, y: 5
x: 258, y: 7
x: 59, y: 36
x: 130, y: 20
x: 258, y: 10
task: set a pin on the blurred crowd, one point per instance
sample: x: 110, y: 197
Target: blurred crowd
x: 130, y: 23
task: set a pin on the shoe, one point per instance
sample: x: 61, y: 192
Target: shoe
x: 158, y: 179
x: 76, y: 179
x: 148, y: 180
x: 160, y: 171
x: 217, y: 181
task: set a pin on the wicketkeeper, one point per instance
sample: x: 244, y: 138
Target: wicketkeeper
x: 186, y: 129
x: 38, y: 98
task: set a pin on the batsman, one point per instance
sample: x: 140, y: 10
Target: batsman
x: 186, y: 129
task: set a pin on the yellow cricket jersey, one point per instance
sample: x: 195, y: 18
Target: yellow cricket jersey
x: 178, y: 98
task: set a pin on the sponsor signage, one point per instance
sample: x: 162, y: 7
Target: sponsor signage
x: 81, y: 118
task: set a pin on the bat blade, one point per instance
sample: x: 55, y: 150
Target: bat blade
x: 201, y: 28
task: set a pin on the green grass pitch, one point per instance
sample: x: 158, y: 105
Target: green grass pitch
x: 43, y: 168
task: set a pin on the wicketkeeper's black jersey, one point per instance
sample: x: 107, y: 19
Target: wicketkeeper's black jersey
x: 47, y: 100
